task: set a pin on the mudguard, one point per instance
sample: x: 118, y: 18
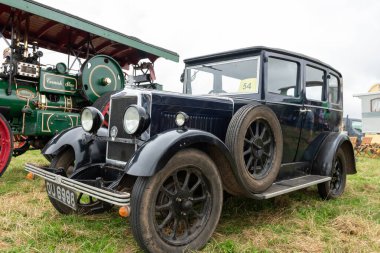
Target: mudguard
x: 86, y: 151
x: 152, y: 156
x: 323, y: 161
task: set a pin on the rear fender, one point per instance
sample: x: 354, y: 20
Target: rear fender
x: 92, y: 151
x: 323, y: 161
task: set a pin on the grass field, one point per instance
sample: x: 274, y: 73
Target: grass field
x: 297, y: 222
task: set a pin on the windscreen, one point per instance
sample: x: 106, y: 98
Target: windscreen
x: 237, y: 76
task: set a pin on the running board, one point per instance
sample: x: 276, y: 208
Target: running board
x: 290, y: 185
x: 107, y: 195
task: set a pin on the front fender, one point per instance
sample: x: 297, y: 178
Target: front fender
x: 86, y: 152
x: 152, y: 156
x: 323, y: 161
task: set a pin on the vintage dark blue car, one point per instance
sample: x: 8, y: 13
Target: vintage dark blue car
x: 256, y: 122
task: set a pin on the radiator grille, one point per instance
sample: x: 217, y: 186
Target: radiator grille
x: 116, y: 150
x: 118, y: 107
x: 213, y: 125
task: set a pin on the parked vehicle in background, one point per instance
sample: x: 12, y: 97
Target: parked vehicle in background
x: 256, y: 122
x: 39, y: 100
x: 353, y: 127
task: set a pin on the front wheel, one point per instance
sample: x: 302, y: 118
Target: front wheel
x: 86, y: 204
x: 178, y: 208
x: 335, y: 187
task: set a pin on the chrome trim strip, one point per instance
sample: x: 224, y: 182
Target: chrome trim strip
x: 283, y: 103
x: 113, y: 197
x: 301, y: 105
x: 320, y: 107
x: 116, y: 163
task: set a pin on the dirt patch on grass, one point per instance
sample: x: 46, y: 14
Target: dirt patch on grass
x: 350, y: 225
x: 354, y: 232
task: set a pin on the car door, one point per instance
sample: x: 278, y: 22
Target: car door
x: 282, y: 76
x: 315, y: 110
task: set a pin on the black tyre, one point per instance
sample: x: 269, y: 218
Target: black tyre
x: 178, y: 208
x: 86, y: 204
x: 6, y: 144
x: 335, y: 187
x: 254, y: 138
x: 103, y: 104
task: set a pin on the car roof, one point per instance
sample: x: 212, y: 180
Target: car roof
x: 57, y: 30
x: 253, y: 50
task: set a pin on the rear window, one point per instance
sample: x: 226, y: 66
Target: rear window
x: 334, y: 89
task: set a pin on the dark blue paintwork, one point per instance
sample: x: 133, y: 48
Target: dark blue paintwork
x: 310, y: 128
x: 86, y: 152
x: 322, y: 161
x: 209, y: 113
x: 155, y: 153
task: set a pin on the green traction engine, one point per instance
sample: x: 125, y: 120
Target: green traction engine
x: 39, y: 100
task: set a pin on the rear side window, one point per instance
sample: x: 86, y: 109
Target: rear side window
x: 315, y: 83
x: 282, y: 77
x: 334, y: 88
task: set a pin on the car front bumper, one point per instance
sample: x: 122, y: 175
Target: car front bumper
x: 110, y: 196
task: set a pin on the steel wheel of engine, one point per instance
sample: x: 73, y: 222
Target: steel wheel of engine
x: 20, y: 145
x: 103, y: 105
x: 258, y: 149
x: 6, y: 144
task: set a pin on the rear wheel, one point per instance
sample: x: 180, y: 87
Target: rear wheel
x: 86, y: 204
x: 178, y: 208
x: 335, y: 187
x: 6, y: 144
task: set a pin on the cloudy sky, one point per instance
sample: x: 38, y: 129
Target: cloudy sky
x: 342, y: 33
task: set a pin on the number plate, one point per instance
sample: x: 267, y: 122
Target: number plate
x: 62, y: 194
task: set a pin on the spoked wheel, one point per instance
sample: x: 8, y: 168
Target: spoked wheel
x: 20, y: 144
x: 103, y: 105
x: 86, y: 204
x: 255, y: 140
x: 258, y: 149
x: 178, y: 208
x: 335, y: 187
x: 6, y: 144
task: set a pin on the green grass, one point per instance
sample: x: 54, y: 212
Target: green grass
x: 297, y: 222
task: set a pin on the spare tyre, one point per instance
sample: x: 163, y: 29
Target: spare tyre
x: 254, y: 138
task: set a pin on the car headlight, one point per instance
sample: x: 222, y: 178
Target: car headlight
x: 136, y: 120
x: 181, y: 119
x: 91, y: 119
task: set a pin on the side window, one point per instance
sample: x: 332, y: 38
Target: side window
x: 282, y: 77
x: 315, y: 83
x: 334, y: 88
